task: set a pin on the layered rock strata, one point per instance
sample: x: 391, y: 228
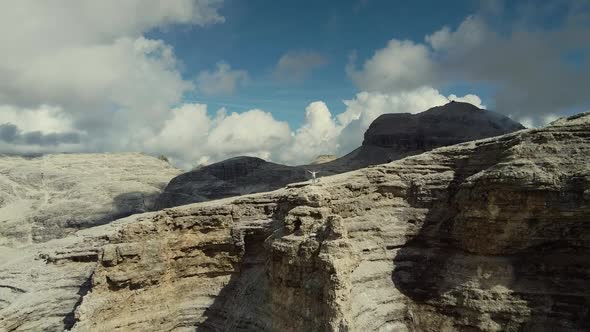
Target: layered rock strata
x: 490, y: 235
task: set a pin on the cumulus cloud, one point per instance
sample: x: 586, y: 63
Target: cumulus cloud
x: 70, y: 69
x: 45, y: 118
x: 402, y: 65
x: 530, y: 122
x: 527, y: 66
x: 191, y: 136
x: 469, y: 98
x: 38, y: 130
x: 471, y: 33
x: 297, y: 65
x: 78, y: 82
x: 223, y: 80
x: 318, y: 135
x: 10, y: 133
x: 251, y: 133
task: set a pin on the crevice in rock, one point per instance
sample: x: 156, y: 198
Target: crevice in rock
x: 70, y: 319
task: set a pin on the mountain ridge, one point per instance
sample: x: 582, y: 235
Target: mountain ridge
x: 487, y: 235
x: 448, y: 124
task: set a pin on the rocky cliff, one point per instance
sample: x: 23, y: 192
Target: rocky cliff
x: 490, y: 235
x: 390, y: 137
x: 51, y: 196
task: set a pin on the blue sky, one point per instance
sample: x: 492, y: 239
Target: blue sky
x: 257, y: 33
x: 205, y: 80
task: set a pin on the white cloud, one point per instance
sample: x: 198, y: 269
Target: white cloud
x: 63, y: 23
x: 90, y: 61
x: 402, y: 65
x: 45, y: 118
x: 184, y: 134
x: 538, y: 122
x: 470, y: 33
x: 469, y: 98
x: 134, y: 75
x: 527, y: 122
x: 318, y: 135
x: 223, y: 80
x: 526, y: 65
x: 87, y: 68
x: 254, y: 132
x: 191, y: 137
x: 298, y: 65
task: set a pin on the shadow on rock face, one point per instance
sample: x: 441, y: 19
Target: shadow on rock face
x: 133, y: 202
x: 233, y: 177
x: 70, y: 319
x: 498, y: 256
x: 279, y: 283
x: 242, y: 304
x: 59, y: 225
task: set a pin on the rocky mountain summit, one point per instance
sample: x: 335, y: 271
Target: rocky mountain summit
x: 453, y: 123
x: 390, y: 137
x: 488, y: 235
x: 50, y: 196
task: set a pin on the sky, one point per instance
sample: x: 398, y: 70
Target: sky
x: 204, y: 80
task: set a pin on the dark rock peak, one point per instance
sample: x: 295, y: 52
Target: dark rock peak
x: 448, y: 124
x: 390, y: 137
x: 243, y: 159
x: 455, y: 106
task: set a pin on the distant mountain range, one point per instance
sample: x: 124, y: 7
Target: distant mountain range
x: 390, y: 137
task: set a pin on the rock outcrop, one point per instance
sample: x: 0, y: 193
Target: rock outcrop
x: 490, y: 235
x: 390, y: 137
x: 450, y: 124
x: 232, y: 177
x: 51, y: 196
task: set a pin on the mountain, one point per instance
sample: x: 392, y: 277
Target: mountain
x: 231, y: 177
x: 390, y: 137
x: 488, y: 235
x: 47, y: 197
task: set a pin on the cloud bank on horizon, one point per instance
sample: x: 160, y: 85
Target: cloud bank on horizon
x: 74, y: 81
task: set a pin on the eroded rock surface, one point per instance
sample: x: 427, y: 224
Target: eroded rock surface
x: 51, y: 196
x: 390, y: 137
x: 491, y: 235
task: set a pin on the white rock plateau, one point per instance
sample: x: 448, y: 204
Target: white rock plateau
x: 51, y: 196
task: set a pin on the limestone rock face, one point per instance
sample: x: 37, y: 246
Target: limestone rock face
x: 51, y: 196
x: 390, y: 137
x: 490, y: 235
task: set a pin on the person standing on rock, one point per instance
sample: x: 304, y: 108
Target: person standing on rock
x: 313, y: 176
